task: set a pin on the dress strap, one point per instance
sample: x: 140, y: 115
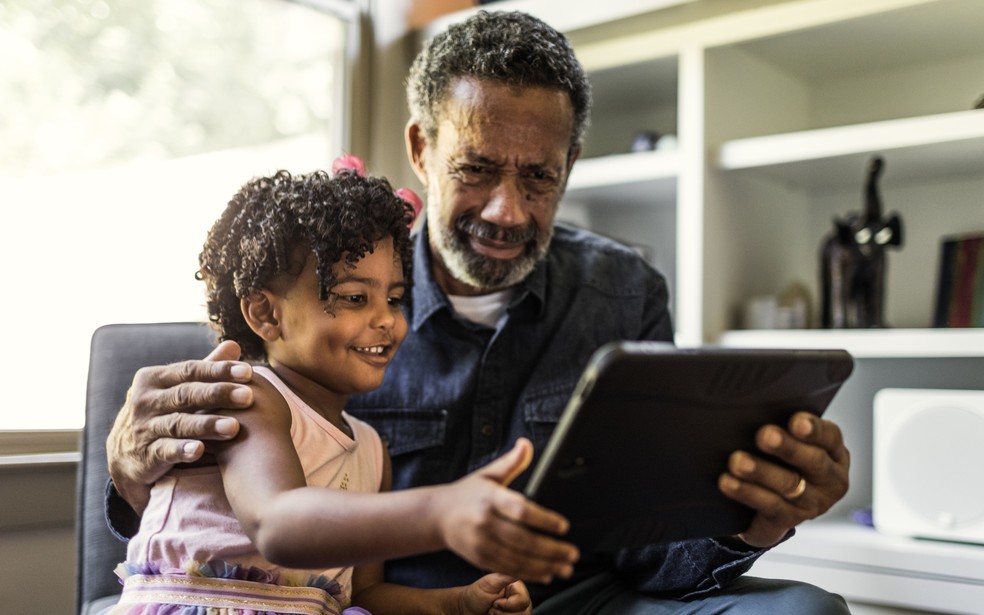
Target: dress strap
x: 226, y: 593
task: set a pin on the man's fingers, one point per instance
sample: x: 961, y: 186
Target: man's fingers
x: 179, y: 426
x: 171, y: 451
x: 785, y: 495
x: 774, y: 515
x: 195, y: 396
x: 167, y: 376
x: 814, y: 430
x: 174, y: 438
x: 225, y: 351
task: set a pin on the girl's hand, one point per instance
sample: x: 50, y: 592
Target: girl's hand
x: 496, y: 528
x: 496, y: 594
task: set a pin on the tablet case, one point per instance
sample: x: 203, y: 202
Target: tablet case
x: 636, y: 456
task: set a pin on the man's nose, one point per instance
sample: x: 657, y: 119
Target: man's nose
x: 506, y: 204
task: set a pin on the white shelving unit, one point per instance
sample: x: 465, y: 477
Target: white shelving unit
x: 870, y: 343
x: 857, y: 562
x: 920, y: 148
x: 776, y: 106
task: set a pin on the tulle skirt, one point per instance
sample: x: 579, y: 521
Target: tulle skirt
x: 220, y: 588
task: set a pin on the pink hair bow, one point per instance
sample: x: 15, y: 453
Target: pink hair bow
x: 411, y: 197
x: 348, y: 162
x: 352, y: 163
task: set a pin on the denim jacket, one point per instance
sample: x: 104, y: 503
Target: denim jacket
x: 459, y: 394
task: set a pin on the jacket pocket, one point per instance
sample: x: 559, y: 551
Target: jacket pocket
x: 542, y: 409
x: 415, y: 439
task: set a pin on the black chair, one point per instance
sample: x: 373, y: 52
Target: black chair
x: 117, y: 352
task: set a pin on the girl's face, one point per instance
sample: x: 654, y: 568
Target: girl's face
x: 346, y: 351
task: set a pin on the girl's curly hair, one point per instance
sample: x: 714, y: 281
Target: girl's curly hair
x: 339, y: 218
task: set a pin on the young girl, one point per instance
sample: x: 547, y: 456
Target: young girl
x: 308, y: 273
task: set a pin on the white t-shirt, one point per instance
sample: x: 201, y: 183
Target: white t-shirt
x: 489, y: 310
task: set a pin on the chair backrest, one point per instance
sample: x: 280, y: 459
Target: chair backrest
x: 116, y: 353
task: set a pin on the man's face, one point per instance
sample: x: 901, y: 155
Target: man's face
x: 494, y: 177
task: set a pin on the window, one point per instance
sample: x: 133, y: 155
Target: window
x: 126, y: 128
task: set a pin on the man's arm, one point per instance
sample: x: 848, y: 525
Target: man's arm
x: 160, y: 423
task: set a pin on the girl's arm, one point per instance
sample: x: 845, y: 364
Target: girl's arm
x: 310, y: 527
x: 490, y: 595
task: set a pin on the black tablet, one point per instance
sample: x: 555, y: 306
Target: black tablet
x: 636, y: 456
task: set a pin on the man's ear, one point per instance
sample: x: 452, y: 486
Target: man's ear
x: 416, y: 142
x: 261, y: 314
x: 572, y: 157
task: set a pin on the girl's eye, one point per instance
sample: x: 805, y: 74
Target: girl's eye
x: 395, y: 301
x: 353, y: 299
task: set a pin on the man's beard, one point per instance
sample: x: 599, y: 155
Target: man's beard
x: 482, y: 272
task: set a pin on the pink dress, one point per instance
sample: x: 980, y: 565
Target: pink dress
x: 191, y: 555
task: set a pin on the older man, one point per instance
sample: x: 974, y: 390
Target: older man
x: 507, y: 307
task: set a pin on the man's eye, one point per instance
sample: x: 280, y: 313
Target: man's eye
x: 473, y: 173
x: 541, y: 177
x: 540, y: 181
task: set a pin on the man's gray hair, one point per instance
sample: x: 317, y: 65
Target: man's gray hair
x: 511, y: 48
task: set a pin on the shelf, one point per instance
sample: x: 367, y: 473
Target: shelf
x: 641, y: 178
x: 19, y: 462
x: 915, y: 149
x: 868, y: 343
x: 559, y: 14
x: 861, y: 564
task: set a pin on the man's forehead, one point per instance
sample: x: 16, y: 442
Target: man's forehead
x: 511, y: 143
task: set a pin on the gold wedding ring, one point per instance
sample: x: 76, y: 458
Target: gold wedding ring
x: 797, y: 491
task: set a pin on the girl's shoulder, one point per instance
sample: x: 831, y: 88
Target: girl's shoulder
x: 269, y: 404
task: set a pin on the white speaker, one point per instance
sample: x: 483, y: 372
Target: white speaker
x: 929, y: 464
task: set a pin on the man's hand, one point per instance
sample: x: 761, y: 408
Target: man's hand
x: 159, y: 426
x: 782, y: 497
x: 496, y: 528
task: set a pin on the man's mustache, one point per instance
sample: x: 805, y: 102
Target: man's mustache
x: 486, y: 230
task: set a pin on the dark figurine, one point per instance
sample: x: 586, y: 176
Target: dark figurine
x: 853, y: 262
